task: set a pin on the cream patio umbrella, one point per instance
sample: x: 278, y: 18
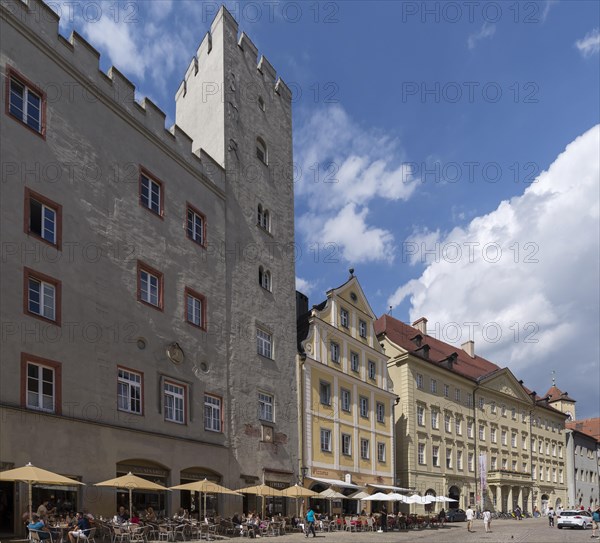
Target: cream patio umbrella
x: 298, y: 491
x: 261, y: 490
x: 131, y: 482
x: 31, y: 475
x: 330, y: 494
x: 205, y: 487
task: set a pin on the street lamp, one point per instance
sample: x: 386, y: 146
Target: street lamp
x: 304, y: 472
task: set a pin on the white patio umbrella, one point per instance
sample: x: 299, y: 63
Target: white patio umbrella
x: 330, y: 494
x: 378, y: 497
x: 358, y: 495
x: 444, y: 499
x: 396, y: 497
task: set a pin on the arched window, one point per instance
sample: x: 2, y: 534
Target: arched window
x: 264, y: 218
x: 261, y: 150
x: 264, y: 278
x: 261, y: 103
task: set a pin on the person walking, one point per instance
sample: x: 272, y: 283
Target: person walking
x: 470, y: 516
x: 310, y: 522
x: 551, y: 517
x: 596, y: 523
x: 487, y: 519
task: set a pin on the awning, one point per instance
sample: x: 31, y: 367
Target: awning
x: 334, y: 482
x: 388, y: 487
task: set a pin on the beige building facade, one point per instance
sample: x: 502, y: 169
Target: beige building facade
x: 345, y: 395
x: 468, y: 429
x: 147, y: 288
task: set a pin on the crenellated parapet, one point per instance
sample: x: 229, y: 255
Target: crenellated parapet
x: 82, y: 61
x: 245, y: 45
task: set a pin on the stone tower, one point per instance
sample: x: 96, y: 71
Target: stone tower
x: 233, y: 107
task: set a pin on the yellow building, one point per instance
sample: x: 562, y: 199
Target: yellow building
x: 345, y: 396
x: 467, y: 428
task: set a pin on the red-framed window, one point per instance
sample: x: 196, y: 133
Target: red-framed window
x: 41, y: 296
x: 195, y: 308
x: 43, y: 218
x: 152, y: 192
x: 150, y: 286
x: 25, y: 102
x: 41, y: 384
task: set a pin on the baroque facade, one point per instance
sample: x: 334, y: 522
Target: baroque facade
x: 137, y: 333
x: 468, y: 429
x: 345, y: 396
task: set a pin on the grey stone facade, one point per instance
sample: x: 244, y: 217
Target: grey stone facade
x: 583, y: 469
x: 87, y: 161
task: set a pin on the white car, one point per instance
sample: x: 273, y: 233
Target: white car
x: 574, y: 519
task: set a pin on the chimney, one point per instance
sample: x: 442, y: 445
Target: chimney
x: 469, y: 348
x: 421, y: 325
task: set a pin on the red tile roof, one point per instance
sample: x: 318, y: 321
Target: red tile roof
x: 556, y: 394
x: 591, y: 427
x: 475, y: 368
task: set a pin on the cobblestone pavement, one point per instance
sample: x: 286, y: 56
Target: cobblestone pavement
x: 527, y: 530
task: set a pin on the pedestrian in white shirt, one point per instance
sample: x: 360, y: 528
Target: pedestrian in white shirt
x: 470, y: 516
x: 487, y: 519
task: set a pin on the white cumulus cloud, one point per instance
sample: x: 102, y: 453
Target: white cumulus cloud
x: 526, y: 272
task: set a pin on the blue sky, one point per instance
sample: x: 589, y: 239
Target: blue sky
x: 443, y: 127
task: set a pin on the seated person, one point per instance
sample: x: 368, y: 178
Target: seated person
x: 82, y: 529
x: 38, y: 525
x: 123, y: 515
x: 42, y: 512
x: 182, y: 514
x: 236, y: 520
x: 150, y: 514
x: 135, y: 519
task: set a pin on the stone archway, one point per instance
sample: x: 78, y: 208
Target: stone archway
x: 454, y: 493
x: 545, y: 498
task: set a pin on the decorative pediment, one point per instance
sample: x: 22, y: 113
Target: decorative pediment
x: 506, y: 383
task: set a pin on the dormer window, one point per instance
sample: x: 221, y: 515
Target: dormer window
x: 261, y: 150
x: 264, y: 278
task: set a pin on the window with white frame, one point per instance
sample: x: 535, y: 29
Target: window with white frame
x: 470, y: 428
x: 195, y: 225
x: 362, y: 328
x: 524, y: 441
x: 421, y: 453
x: 347, y: 444
x: 41, y: 387
x: 212, y: 413
x: 525, y: 467
x: 364, y: 407
x: 419, y: 381
x: 264, y: 343
x: 457, y: 394
x: 494, y: 463
x: 513, y: 413
x: 482, y: 432
x: 435, y: 419
x: 372, y: 370
x: 129, y: 391
x: 523, y: 416
x: 541, y: 446
x: 447, y: 423
x: 150, y: 286
x: 470, y: 462
x: 504, y: 463
x: 420, y: 415
x: 344, y: 318
x: 493, y: 408
x: 354, y: 362
x: 264, y: 278
x: 265, y: 407
x: 150, y: 193
x: 514, y: 465
x: 560, y: 477
x: 493, y: 435
x: 174, y: 397
x: 433, y: 386
x: 41, y: 297
x: 481, y: 403
x: 458, y: 426
x: 435, y: 455
x: 553, y: 449
x: 547, y: 448
x: 380, y: 412
x: 459, y: 459
x: 533, y: 471
x: 504, y: 437
x: 446, y: 391
x: 346, y: 399
x: 334, y: 352
x: 448, y: 458
x: 364, y: 449
x: 513, y: 439
x: 26, y: 104
x: 325, y: 393
x: 381, y: 452
x: 560, y: 453
x: 325, y: 440
x: 43, y: 217
x: 194, y: 302
x: 503, y: 410
x: 469, y: 400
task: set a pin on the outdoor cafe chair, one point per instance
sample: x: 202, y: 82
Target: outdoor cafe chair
x: 34, y: 536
